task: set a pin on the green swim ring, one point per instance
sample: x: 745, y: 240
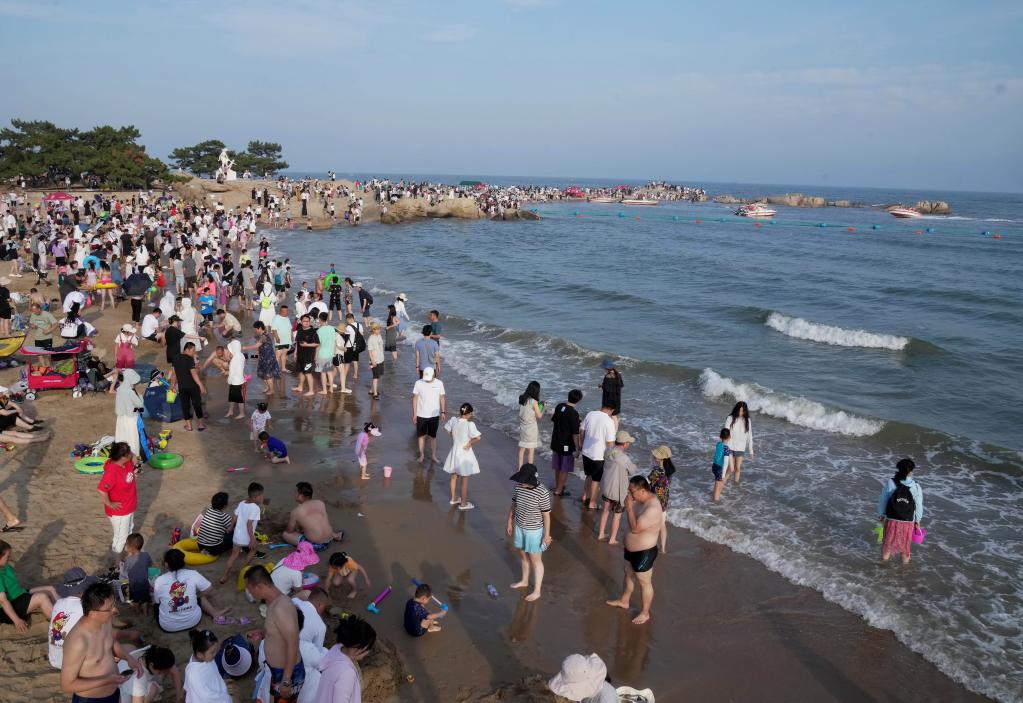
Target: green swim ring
x: 90, y: 465
x: 166, y: 460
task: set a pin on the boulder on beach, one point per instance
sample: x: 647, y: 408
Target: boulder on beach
x: 412, y: 208
x: 797, y: 200
x: 937, y: 207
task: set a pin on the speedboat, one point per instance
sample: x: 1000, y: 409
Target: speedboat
x: 904, y: 213
x: 755, y: 210
x: 603, y: 199
x: 639, y: 201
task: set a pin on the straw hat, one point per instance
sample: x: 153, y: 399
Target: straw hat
x: 623, y: 437
x: 662, y: 452
x: 580, y: 677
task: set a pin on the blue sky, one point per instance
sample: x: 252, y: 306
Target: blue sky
x: 903, y: 94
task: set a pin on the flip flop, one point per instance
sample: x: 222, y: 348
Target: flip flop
x: 16, y: 528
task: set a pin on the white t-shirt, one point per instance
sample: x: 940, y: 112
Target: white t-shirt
x: 138, y: 685
x: 598, y: 430
x: 177, y: 594
x: 286, y: 579
x: 244, y: 512
x: 312, y: 657
x: 150, y: 325
x: 203, y: 684
x: 259, y: 421
x: 428, y: 397
x: 66, y: 614
x: 314, y: 629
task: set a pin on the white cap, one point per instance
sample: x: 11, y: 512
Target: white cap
x: 428, y: 373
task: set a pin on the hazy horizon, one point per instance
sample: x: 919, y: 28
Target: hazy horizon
x: 908, y: 96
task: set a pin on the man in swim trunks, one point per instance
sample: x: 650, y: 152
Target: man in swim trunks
x: 309, y: 522
x: 89, y: 670
x: 644, y: 513
x: 283, y: 663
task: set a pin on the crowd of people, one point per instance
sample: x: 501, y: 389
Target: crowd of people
x: 192, y: 272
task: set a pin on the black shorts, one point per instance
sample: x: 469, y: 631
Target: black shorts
x: 334, y: 303
x: 282, y: 347
x: 643, y: 560
x: 235, y: 394
x: 427, y: 426
x: 593, y: 469
x: 350, y: 357
x: 365, y: 312
x: 378, y: 371
x: 190, y: 281
x: 20, y: 605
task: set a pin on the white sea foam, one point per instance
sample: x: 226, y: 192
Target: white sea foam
x: 799, y: 328
x: 797, y: 410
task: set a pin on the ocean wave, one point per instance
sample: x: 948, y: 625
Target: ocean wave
x: 799, y: 328
x: 797, y: 410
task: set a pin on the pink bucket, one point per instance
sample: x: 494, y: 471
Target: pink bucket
x: 918, y: 535
x: 387, y: 471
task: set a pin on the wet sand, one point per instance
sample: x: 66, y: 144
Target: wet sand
x: 723, y: 627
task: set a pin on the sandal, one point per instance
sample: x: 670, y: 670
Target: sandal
x: 15, y: 528
x: 225, y: 620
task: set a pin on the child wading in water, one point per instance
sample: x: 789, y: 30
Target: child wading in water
x: 720, y: 462
x: 461, y: 461
x: 362, y: 445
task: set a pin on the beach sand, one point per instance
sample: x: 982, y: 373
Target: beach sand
x: 724, y: 627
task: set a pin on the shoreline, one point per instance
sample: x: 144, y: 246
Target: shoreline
x: 789, y: 642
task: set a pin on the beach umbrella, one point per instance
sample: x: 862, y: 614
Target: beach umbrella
x: 58, y: 197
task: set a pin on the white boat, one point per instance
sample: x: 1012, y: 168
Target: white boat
x: 640, y: 201
x: 755, y: 210
x: 603, y: 199
x: 904, y: 213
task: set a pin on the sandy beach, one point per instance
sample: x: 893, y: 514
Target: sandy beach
x: 724, y: 627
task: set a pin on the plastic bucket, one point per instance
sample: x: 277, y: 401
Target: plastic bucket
x: 172, y: 396
x: 387, y: 472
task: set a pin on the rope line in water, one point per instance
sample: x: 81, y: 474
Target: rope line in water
x: 760, y: 223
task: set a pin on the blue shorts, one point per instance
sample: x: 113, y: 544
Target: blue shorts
x: 529, y: 541
x: 738, y: 454
x: 719, y: 472
x: 317, y: 546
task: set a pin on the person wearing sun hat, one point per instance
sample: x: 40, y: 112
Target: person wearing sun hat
x: 583, y: 679
x: 529, y: 522
x: 287, y: 575
x: 66, y: 613
x: 660, y: 483
x: 234, y: 659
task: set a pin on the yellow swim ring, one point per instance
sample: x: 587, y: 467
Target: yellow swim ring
x: 193, y: 557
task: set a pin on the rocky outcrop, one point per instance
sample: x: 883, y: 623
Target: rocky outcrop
x: 516, y: 215
x: 937, y: 207
x: 417, y: 208
x: 797, y: 200
x: 727, y: 199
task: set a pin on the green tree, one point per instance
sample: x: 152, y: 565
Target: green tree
x: 45, y: 154
x: 261, y: 158
x: 201, y: 159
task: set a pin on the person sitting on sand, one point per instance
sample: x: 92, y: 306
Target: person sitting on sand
x: 583, y: 679
x: 343, y: 569
x: 275, y: 450
x: 419, y: 620
x: 181, y: 595
x: 216, y: 526
x: 16, y: 603
x: 16, y: 427
x: 643, y: 511
x: 308, y: 521
x: 287, y: 575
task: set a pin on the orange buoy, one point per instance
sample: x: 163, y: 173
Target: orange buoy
x: 998, y: 236
x: 637, y: 217
x: 757, y: 225
x: 699, y: 221
x: 919, y: 231
x: 851, y: 229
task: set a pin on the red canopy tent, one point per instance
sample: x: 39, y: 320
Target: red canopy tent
x: 59, y: 196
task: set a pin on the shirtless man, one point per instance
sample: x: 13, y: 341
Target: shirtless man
x: 645, y: 515
x: 89, y: 671
x: 308, y: 521
x: 280, y: 643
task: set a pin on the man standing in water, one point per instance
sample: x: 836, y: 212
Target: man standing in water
x: 644, y: 513
x: 89, y: 670
x: 309, y: 522
x: 286, y: 672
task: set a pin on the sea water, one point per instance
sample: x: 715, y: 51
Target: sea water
x: 852, y: 349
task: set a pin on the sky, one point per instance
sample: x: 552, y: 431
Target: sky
x: 904, y: 94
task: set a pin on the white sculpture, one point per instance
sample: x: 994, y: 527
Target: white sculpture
x: 225, y: 173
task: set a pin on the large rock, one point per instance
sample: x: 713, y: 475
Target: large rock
x: 727, y: 199
x: 937, y: 207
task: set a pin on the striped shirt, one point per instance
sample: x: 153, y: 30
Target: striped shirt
x: 530, y: 505
x: 214, y: 527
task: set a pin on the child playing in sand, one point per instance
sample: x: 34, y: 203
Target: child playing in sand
x: 258, y: 423
x: 275, y: 451
x: 203, y: 681
x: 419, y: 620
x: 246, y: 517
x: 362, y: 445
x: 136, y: 567
x: 343, y: 569
x: 720, y: 461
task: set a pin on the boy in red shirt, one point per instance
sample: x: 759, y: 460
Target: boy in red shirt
x: 117, y: 486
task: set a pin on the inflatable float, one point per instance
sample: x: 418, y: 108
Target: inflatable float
x: 193, y: 556
x: 90, y: 465
x: 166, y: 460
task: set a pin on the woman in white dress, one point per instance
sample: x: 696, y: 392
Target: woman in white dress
x: 267, y: 304
x: 530, y: 410
x: 461, y: 459
x: 127, y: 403
x: 399, y: 308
